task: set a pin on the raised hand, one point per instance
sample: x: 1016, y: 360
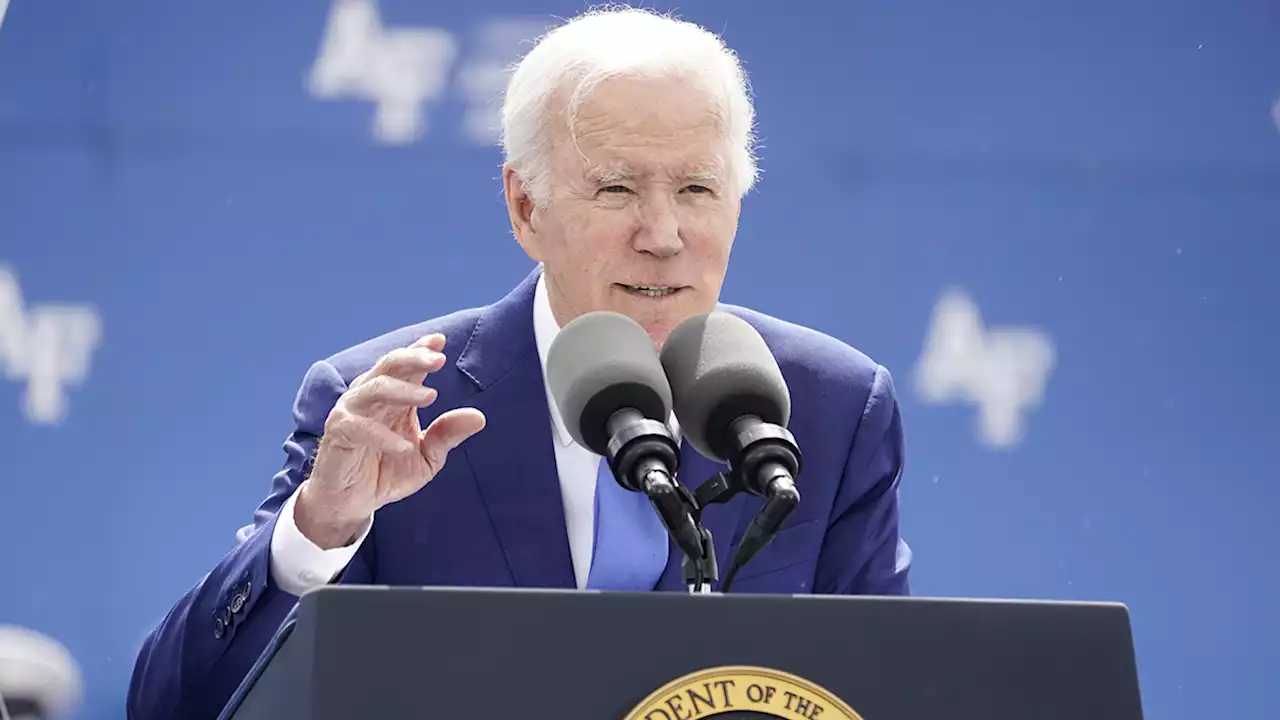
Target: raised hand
x: 374, y: 451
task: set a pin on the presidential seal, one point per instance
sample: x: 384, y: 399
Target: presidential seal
x: 741, y: 691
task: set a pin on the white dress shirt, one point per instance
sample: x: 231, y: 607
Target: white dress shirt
x: 298, y: 565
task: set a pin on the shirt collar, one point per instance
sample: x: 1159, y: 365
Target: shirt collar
x: 545, y: 329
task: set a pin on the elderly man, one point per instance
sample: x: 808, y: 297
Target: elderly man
x: 629, y: 148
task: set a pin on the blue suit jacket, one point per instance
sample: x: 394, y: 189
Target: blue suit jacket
x: 493, y: 516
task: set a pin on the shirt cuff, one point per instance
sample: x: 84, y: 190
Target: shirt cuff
x: 299, y: 565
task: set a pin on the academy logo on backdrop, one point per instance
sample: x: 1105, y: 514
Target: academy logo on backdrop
x: 1003, y: 371
x: 403, y: 70
x: 399, y: 70
x: 47, y: 346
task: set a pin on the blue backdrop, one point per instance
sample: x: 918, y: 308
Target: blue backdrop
x: 1055, y: 222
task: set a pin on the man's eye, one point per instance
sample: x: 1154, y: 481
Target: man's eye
x: 615, y: 189
x: 697, y: 189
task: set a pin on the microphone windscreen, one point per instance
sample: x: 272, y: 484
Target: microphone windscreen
x: 599, y: 363
x: 720, y: 369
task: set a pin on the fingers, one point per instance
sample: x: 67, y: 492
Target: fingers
x: 412, y: 363
x: 433, y: 342
x: 384, y: 392
x: 447, y: 432
x: 357, y: 430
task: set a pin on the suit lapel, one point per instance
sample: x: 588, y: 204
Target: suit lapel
x: 720, y: 520
x: 514, y: 457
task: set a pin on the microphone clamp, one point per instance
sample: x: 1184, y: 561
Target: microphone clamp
x: 634, y: 438
x: 763, y: 455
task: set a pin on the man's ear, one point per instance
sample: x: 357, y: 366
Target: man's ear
x: 520, y: 209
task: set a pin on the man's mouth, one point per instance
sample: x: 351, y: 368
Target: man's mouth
x: 653, y: 291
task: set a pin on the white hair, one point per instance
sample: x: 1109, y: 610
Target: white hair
x: 612, y: 41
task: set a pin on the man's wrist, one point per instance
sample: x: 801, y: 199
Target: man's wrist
x: 324, y: 530
x: 298, y: 565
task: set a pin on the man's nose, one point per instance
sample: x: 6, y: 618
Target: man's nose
x: 659, y: 232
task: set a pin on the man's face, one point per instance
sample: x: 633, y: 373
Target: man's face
x: 642, y: 210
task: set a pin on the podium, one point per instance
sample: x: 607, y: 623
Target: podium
x: 448, y: 654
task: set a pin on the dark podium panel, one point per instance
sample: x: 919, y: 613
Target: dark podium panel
x: 376, y: 652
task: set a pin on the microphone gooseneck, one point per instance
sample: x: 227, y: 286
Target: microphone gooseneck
x: 765, y: 461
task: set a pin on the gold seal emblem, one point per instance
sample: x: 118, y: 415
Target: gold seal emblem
x: 741, y: 691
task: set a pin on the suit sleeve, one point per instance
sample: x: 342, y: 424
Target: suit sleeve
x: 192, y: 662
x: 863, y: 552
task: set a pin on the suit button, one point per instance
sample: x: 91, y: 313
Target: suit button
x: 237, y: 603
x: 219, y: 628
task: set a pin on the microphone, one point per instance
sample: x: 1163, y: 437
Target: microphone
x: 38, y: 677
x: 613, y: 396
x: 733, y: 406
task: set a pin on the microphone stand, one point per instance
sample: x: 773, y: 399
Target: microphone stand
x: 700, y: 573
